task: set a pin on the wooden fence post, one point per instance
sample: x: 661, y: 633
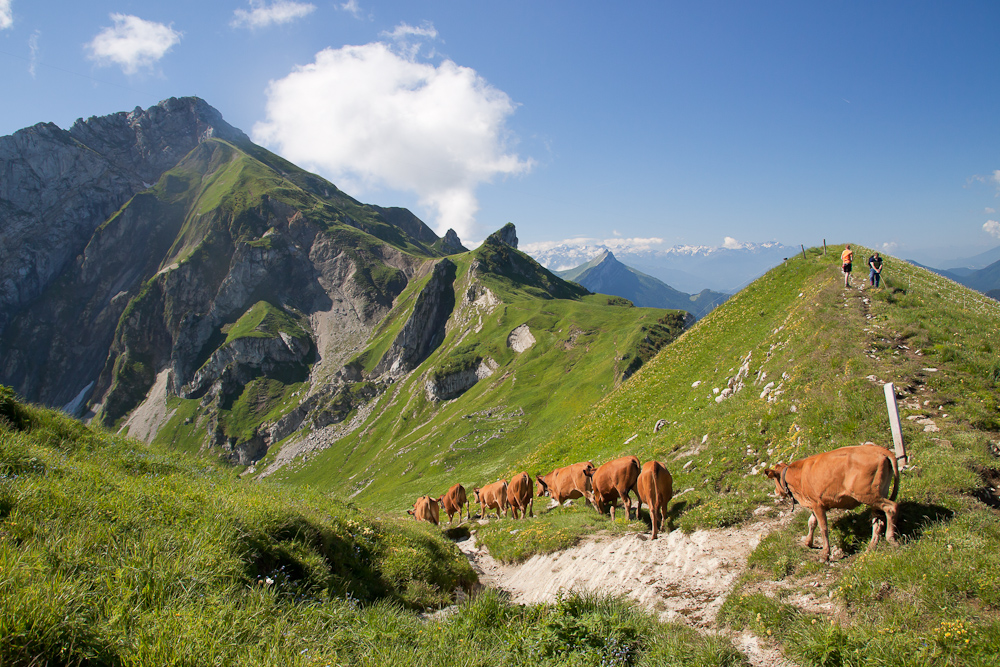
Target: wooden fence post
x: 803, y: 250
x: 897, y: 432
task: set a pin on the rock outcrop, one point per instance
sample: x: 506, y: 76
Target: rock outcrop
x: 425, y: 328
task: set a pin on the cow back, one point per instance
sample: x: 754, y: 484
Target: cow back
x: 655, y: 485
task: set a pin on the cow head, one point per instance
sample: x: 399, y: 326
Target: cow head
x: 541, y: 488
x: 775, y: 474
x: 475, y: 492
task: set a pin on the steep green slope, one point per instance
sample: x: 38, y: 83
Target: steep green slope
x: 112, y: 553
x: 421, y: 437
x: 807, y: 359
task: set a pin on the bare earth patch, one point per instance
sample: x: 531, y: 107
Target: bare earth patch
x: 684, y: 578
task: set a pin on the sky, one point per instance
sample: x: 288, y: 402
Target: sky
x: 671, y: 123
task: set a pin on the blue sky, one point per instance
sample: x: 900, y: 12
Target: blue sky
x: 684, y: 123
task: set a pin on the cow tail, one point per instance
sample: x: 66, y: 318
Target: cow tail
x: 895, y: 478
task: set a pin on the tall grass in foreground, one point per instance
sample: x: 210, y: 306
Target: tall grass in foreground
x: 115, y: 554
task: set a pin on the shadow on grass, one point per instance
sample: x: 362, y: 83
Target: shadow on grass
x: 854, y: 529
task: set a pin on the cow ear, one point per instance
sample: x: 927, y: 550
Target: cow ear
x: 589, y: 472
x: 772, y: 473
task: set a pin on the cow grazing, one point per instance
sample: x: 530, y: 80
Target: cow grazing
x: 425, y: 509
x: 519, y: 496
x: 567, y: 483
x: 492, y: 496
x: 454, y: 501
x: 843, y: 478
x: 655, y: 487
x: 614, y: 480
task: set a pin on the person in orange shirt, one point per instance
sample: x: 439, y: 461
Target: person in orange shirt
x: 846, y: 258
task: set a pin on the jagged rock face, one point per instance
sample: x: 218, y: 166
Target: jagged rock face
x: 425, y: 329
x: 507, y: 234
x: 58, y: 186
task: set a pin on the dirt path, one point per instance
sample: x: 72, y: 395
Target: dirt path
x: 683, y: 578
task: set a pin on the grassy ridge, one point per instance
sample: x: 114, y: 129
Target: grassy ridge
x: 828, y: 350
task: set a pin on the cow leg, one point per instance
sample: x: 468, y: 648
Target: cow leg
x: 531, y: 507
x: 820, y: 515
x: 808, y: 538
x: 877, y: 527
x: 654, y: 517
x: 889, y: 508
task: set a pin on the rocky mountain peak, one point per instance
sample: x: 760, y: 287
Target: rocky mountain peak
x: 506, y: 234
x: 57, y: 186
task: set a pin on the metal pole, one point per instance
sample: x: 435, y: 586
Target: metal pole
x: 897, y: 431
x: 803, y: 250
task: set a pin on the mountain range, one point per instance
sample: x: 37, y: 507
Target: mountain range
x: 686, y: 268
x: 985, y: 280
x: 607, y: 275
x: 162, y: 275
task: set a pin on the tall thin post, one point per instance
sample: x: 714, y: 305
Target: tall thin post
x: 824, y: 247
x: 803, y: 250
x: 897, y: 431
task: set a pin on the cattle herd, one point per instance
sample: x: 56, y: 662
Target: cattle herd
x: 600, y: 487
x: 843, y: 478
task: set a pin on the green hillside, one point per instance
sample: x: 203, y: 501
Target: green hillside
x: 827, y: 350
x: 114, y: 553
x: 405, y: 444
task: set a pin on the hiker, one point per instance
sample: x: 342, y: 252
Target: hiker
x: 875, y: 264
x: 846, y: 258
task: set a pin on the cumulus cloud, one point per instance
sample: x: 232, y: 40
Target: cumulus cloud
x: 132, y: 43
x: 262, y: 15
x: 992, y: 227
x: 732, y: 244
x: 371, y: 116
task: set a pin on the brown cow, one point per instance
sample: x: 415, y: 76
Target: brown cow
x: 843, y: 478
x: 519, y: 496
x: 655, y: 487
x: 567, y: 483
x: 425, y: 509
x: 492, y: 496
x: 453, y: 501
x: 614, y: 480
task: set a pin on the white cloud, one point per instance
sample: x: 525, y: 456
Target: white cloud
x: 889, y: 246
x: 990, y: 211
x: 992, y: 227
x: 6, y: 14
x: 262, y: 15
x: 637, y: 243
x: 405, y: 31
x: 369, y: 117
x: 132, y: 43
x: 33, y: 48
x: 732, y: 244
x: 352, y: 7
